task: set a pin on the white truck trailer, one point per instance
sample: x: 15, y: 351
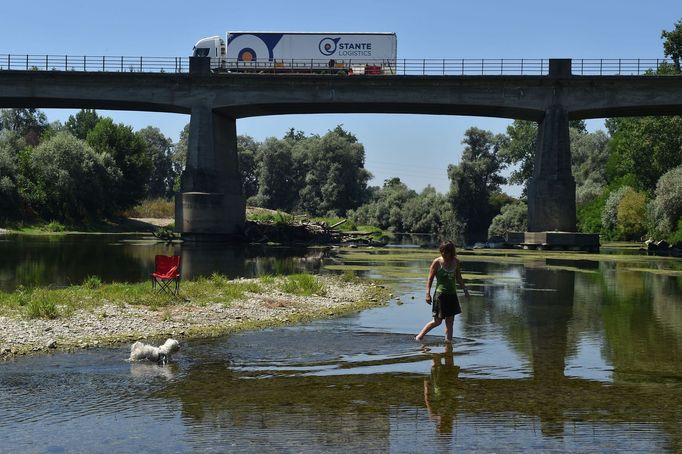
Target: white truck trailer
x: 301, y: 52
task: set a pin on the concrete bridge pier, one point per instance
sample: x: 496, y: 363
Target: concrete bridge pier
x: 211, y: 205
x: 551, y: 190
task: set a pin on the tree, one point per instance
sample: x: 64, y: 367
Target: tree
x: 609, y: 215
x: 512, y: 218
x: 632, y: 215
x: 668, y: 201
x: 386, y: 210
x: 82, y: 123
x: 160, y: 152
x: 249, y: 159
x: 519, y: 148
x: 28, y: 123
x: 9, y: 193
x: 672, y: 46
x: 474, y: 180
x: 66, y: 179
x: 278, y: 182
x: 335, y: 178
x: 642, y: 149
x: 430, y: 212
x: 130, y: 154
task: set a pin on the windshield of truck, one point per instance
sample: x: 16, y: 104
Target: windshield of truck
x: 201, y: 51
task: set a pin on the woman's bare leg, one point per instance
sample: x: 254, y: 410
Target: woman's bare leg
x: 428, y: 327
x: 449, y: 323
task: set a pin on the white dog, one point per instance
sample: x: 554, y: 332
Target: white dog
x: 161, y: 354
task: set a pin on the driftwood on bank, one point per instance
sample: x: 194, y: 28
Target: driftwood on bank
x: 304, y: 233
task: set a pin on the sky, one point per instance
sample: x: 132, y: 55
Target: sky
x: 415, y: 148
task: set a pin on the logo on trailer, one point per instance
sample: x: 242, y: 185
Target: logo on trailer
x: 247, y: 54
x: 328, y: 45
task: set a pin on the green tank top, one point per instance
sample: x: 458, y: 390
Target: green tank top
x: 445, y: 282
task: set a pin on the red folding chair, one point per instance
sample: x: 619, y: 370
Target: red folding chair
x: 166, y: 274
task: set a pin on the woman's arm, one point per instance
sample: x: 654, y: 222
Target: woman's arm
x: 460, y: 279
x: 432, y: 273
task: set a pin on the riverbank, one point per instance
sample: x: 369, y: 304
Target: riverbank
x: 84, y: 317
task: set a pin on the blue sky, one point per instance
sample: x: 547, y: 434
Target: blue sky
x: 416, y: 148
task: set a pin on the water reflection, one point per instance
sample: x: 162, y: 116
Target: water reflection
x: 441, y: 389
x: 57, y: 261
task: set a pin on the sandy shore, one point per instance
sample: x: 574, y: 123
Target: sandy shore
x: 110, y: 324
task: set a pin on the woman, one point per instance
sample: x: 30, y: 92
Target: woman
x: 447, y: 270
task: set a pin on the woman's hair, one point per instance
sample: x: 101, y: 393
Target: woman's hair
x: 447, y: 246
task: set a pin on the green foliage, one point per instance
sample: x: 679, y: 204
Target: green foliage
x: 512, y: 218
x: 672, y: 46
x: 386, y: 209
x: 29, y: 124
x: 676, y: 236
x: 668, y: 200
x: 82, y: 123
x: 63, y: 178
x: 632, y: 215
x: 474, y: 180
x: 130, y: 154
x: 609, y: 215
x: 159, y: 152
x: 589, y: 214
x: 335, y: 178
x: 40, y: 305
x: 642, y: 149
x: 303, y: 284
x: 92, y: 282
x: 519, y: 148
x: 152, y: 208
x: 278, y: 179
x: 10, y: 202
x: 247, y: 150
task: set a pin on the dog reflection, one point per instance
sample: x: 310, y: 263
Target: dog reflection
x: 149, y: 370
x: 440, y: 390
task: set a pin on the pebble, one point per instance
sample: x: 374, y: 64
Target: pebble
x: 83, y: 328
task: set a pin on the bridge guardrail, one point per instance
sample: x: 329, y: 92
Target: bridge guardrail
x: 85, y: 63
x: 618, y: 66
x: 404, y: 66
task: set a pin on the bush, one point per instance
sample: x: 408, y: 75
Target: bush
x: 609, y: 215
x: 513, y: 218
x: 668, y: 200
x: 632, y: 215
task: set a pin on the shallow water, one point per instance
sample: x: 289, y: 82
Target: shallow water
x: 551, y: 354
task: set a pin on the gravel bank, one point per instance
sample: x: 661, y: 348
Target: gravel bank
x: 111, y: 324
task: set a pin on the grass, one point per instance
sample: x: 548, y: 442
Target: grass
x: 303, y: 284
x: 92, y: 294
x: 152, y: 208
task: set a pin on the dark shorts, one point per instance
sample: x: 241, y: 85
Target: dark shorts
x: 445, y: 305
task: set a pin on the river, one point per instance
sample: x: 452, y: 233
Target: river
x: 553, y: 352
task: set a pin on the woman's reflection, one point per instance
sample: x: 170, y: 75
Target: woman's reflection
x: 440, y: 390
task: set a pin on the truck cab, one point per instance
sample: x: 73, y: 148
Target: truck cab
x: 213, y: 47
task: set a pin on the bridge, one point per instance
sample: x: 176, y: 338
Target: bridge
x: 211, y: 203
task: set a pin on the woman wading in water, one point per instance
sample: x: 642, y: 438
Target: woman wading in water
x: 447, y: 271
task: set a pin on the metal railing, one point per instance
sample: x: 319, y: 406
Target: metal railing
x: 403, y: 66
x: 618, y: 66
x: 85, y: 63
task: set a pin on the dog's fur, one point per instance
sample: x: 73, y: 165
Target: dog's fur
x: 162, y: 354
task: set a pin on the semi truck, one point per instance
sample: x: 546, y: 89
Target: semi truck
x: 301, y: 52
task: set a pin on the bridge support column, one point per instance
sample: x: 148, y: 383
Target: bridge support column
x: 551, y: 191
x: 211, y: 204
